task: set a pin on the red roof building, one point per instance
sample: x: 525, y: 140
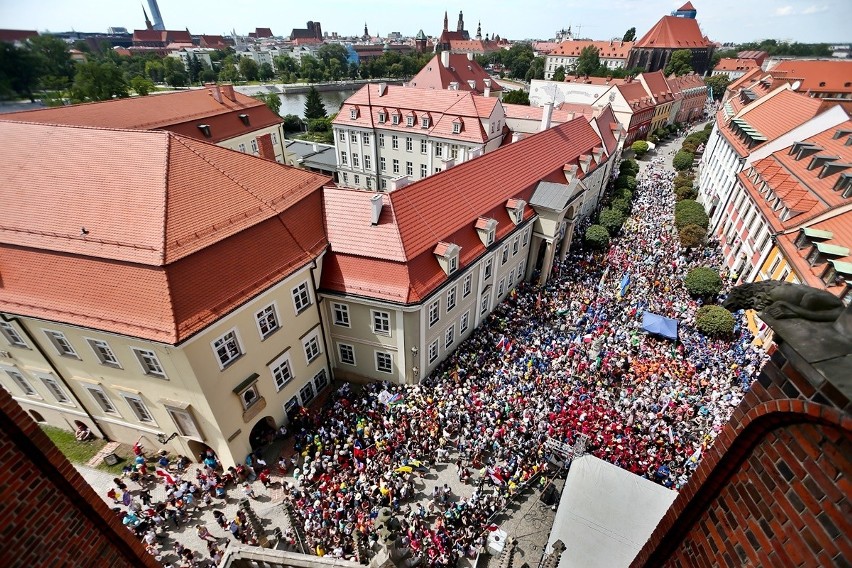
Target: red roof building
x: 16, y: 37
x: 451, y: 70
x: 641, y: 109
x: 671, y: 33
x: 693, y: 95
x: 613, y: 54
x: 734, y: 68
x: 213, y: 42
x: 160, y: 38
x: 828, y: 80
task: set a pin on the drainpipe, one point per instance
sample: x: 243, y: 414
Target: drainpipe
x: 322, y: 325
x: 56, y: 372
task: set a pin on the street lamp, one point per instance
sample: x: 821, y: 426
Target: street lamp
x: 164, y: 440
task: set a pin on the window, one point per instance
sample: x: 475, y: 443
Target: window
x: 489, y: 266
x: 409, y: 144
x: 451, y: 298
x: 466, y: 286
x: 381, y: 117
x: 353, y: 136
x: 450, y: 335
x: 409, y: 169
x: 11, y: 335
x: 356, y: 161
x: 150, y: 363
x: 312, y: 348
x: 242, y: 148
x: 501, y: 287
x: 384, y: 164
x: 254, y: 146
x: 409, y: 121
x: 353, y: 114
x: 306, y: 393
x: 22, y: 383
x: 425, y: 122
x: 396, y: 166
x: 345, y: 181
x: 511, y: 277
x: 365, y: 138
x: 368, y: 162
x: 61, y: 343
x: 321, y: 380
x: 356, y: 179
x: 489, y: 238
x: 347, y: 353
x: 341, y: 135
x: 369, y: 182
x: 439, y: 150
x: 102, y: 399
x: 464, y: 322
x: 454, y: 264
x: 423, y: 146
x: 384, y: 362
x: 434, y: 312
x: 341, y: 314
x: 381, y: 323
x: 343, y: 159
x: 395, y: 142
x: 103, y: 352
x: 516, y: 245
x: 526, y: 238
x: 456, y: 127
x: 504, y: 258
x: 57, y: 391
x: 521, y: 270
x: 267, y: 321
x: 301, y: 297
x: 274, y: 138
x: 381, y: 140
x: 454, y: 151
x: 423, y: 171
x: 184, y: 422
x: 250, y: 395
x: 227, y: 348
x: 281, y: 370
x: 433, y: 351
x: 395, y: 119
x: 483, y: 306
x: 384, y: 184
x: 139, y: 409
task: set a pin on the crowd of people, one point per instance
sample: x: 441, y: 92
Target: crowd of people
x: 547, y: 364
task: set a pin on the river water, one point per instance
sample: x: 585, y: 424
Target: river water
x: 295, y: 103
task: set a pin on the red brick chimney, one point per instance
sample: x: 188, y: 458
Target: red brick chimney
x: 267, y: 148
x: 228, y: 91
x: 214, y: 90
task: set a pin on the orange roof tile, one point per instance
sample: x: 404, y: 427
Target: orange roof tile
x: 816, y: 76
x: 434, y: 75
x: 635, y: 95
x: 179, y: 112
x: 731, y: 64
x: 658, y: 87
x: 565, y: 113
x: 673, y: 32
x: 606, y: 49
x: 91, y: 239
x: 839, y: 224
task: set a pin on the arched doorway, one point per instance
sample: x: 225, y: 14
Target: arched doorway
x: 36, y: 416
x: 263, y: 432
x: 196, y: 448
x: 78, y: 424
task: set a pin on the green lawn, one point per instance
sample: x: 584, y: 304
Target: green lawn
x: 76, y: 452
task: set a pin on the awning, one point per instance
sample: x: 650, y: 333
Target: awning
x: 659, y: 325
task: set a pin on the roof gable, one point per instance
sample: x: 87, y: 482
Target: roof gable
x: 674, y: 33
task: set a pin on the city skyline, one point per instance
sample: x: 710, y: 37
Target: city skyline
x: 807, y: 21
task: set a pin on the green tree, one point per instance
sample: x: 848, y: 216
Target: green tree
x: 680, y: 63
x: 55, y: 68
x: 689, y: 212
x: 517, y: 97
x: 715, y: 321
x: 621, y: 204
x: 589, y: 61
x: 611, y: 220
x: 194, y: 69
x: 329, y: 52
x: 625, y: 181
x: 629, y: 35
x: 691, y: 236
x: 271, y: 100
x: 249, y: 69
x: 718, y: 84
x: 98, y: 81
x: 228, y: 72
x: 683, y: 160
x: 597, y: 237
x: 311, y: 69
x: 685, y: 192
x: 703, y: 282
x: 292, y: 123
x: 265, y: 72
x: 155, y: 71
x: 629, y: 167
x: 536, y: 69
x: 640, y: 148
x: 285, y: 64
x: 559, y: 74
x: 18, y: 72
x: 314, y: 107
x: 141, y: 85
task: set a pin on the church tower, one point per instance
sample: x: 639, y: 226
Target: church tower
x: 446, y: 22
x: 460, y: 26
x: 479, y: 30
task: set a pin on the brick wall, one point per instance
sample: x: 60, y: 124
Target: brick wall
x: 51, y: 517
x: 774, y: 488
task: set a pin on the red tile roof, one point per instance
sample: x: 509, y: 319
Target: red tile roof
x: 606, y: 49
x: 474, y: 46
x: 162, y: 36
x: 607, y: 123
x: 394, y: 260
x: 686, y: 7
x: 635, y: 95
x: 461, y: 70
x: 444, y: 107
x: 92, y: 239
x: 674, y: 33
x: 565, y: 112
x: 658, y: 87
x: 816, y: 76
x: 839, y: 224
x: 729, y: 64
x: 12, y: 36
x: 179, y: 112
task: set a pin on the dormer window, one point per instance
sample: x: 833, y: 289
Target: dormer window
x: 448, y: 256
x: 424, y: 122
x: 457, y: 126
x: 245, y: 119
x: 353, y: 113
x: 395, y: 119
x: 381, y: 117
x: 205, y: 129
x: 487, y: 230
x: 409, y: 121
x: 516, y: 207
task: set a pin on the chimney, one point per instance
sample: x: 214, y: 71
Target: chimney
x: 399, y: 182
x: 445, y: 58
x: 382, y: 89
x: 470, y: 56
x: 515, y: 137
x: 228, y: 91
x: 375, y: 209
x: 214, y: 90
x: 267, y: 149
x: 546, y: 114
x: 487, y: 91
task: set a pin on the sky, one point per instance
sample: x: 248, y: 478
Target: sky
x: 805, y: 21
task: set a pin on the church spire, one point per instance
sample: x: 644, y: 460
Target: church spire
x: 446, y: 21
x: 148, y: 25
x: 479, y: 30
x: 460, y: 27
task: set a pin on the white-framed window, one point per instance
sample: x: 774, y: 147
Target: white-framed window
x: 184, y: 422
x: 353, y: 113
x: 253, y: 146
x: 365, y: 138
x: 409, y: 144
x: 227, y: 348
x: 11, y: 335
x: 489, y: 237
x: 312, y: 347
x: 341, y: 314
x: 384, y: 362
x: 249, y: 395
x: 409, y: 168
x: 464, y: 322
x: 242, y: 148
x: 433, y: 351
x: 306, y: 393
x: 439, y: 149
x: 450, y: 335
x: 425, y: 122
x: 396, y: 166
x: 466, y: 286
x: 424, y: 171
x: 346, y: 353
x: 381, y: 322
x: 456, y: 127
x: 345, y: 180
x: 341, y: 135
x: 511, y: 277
x: 321, y: 380
x: 409, y: 121
x: 516, y: 244
x: 394, y: 118
x: 368, y: 162
x: 103, y: 352
x: 521, y: 269
x: 381, y: 117
x: 356, y: 161
x: 61, y: 343
x: 501, y: 287
x: 423, y: 146
x: 526, y: 238
x: 434, y: 312
x: 101, y: 398
x: 57, y: 391
x: 451, y: 298
x: 454, y: 151
x: 357, y: 179
x: 343, y: 159
x: 353, y: 136
x: 140, y: 411
x: 301, y: 297
x: 395, y: 142
x: 384, y: 184
x: 383, y: 163
x: 489, y: 268
x: 22, y: 382
x: 281, y: 371
x: 483, y: 305
x: 149, y: 362
x: 381, y: 140
x: 504, y: 258
x: 453, y: 264
x: 267, y: 321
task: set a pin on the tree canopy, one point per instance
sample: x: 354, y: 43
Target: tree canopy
x: 271, y: 100
x: 629, y: 35
x: 703, y: 282
x: 314, y: 107
x: 559, y: 74
x: 597, y: 237
x: 99, y: 81
x: 714, y: 321
x: 517, y: 97
x: 718, y: 83
x: 680, y: 63
x: 589, y: 61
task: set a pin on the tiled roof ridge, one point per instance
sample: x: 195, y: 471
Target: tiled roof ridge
x: 83, y: 126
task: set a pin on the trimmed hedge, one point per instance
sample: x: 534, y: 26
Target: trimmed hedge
x: 629, y: 167
x: 625, y: 182
x: 622, y: 194
x: 622, y: 205
x: 715, y: 321
x: 703, y: 282
x: 691, y: 236
x: 683, y: 160
x: 597, y: 237
x: 611, y: 220
x: 689, y: 212
x: 640, y: 148
x: 685, y: 192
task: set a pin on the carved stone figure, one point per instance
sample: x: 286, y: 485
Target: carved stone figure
x: 783, y: 300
